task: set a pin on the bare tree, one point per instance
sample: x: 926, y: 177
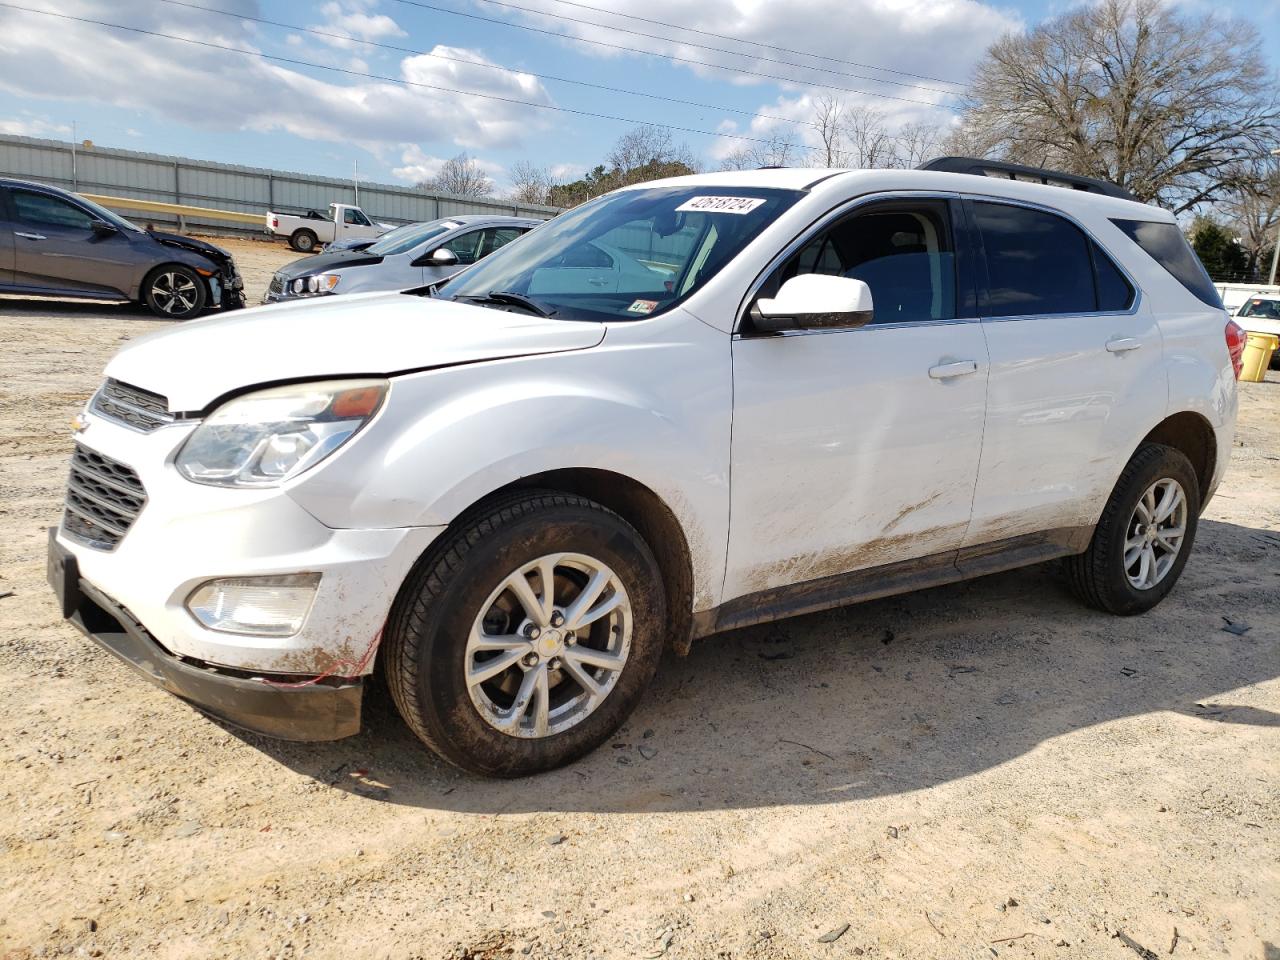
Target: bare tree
x: 648, y: 152
x: 1250, y: 204
x: 530, y: 183
x: 461, y: 176
x: 1133, y: 91
x: 829, y: 118
x: 867, y: 140
x: 916, y: 143
x: 775, y: 150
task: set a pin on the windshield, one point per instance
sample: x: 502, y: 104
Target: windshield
x: 111, y: 218
x: 408, y: 237
x: 1267, y: 309
x: 629, y: 254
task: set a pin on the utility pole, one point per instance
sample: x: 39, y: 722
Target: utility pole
x: 355, y: 180
x: 74, y: 181
x: 1275, y: 254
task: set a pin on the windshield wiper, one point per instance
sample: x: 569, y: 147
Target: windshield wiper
x: 509, y: 298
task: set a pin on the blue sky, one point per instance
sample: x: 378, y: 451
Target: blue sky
x: 146, y: 92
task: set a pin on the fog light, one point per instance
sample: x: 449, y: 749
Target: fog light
x: 260, y: 606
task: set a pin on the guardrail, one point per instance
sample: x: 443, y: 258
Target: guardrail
x: 179, y: 210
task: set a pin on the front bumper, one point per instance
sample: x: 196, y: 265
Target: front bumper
x: 321, y: 711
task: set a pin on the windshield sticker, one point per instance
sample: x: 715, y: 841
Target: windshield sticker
x: 737, y: 205
x: 451, y: 224
x: 643, y: 306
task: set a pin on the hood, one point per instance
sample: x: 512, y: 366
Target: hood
x: 197, y: 362
x: 319, y: 263
x: 216, y: 254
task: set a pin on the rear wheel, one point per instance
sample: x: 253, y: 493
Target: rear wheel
x: 527, y: 636
x: 1144, y: 535
x: 175, y: 292
x: 304, y: 241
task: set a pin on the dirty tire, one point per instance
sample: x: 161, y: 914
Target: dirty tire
x: 174, y: 292
x: 426, y: 637
x: 304, y: 241
x: 1098, y: 575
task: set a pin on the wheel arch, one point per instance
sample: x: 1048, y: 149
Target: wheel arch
x: 1193, y: 435
x: 641, y: 507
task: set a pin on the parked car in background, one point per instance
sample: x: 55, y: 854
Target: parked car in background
x: 1261, y: 314
x: 849, y: 384
x: 363, y: 243
x: 403, y: 258
x: 305, y: 234
x: 54, y: 243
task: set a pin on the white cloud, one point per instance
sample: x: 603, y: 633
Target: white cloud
x: 56, y: 59
x: 31, y: 126
x: 350, y: 19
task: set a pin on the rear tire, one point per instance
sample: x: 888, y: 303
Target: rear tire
x: 175, y: 292
x: 1137, y: 553
x: 304, y: 241
x: 476, y: 601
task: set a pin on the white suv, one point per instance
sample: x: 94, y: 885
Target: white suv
x: 512, y: 492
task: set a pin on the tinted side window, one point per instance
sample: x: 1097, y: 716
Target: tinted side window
x: 496, y: 237
x: 50, y: 211
x: 466, y: 247
x: 904, y: 254
x: 356, y: 217
x: 1166, y: 245
x: 1114, y: 290
x: 1037, y: 262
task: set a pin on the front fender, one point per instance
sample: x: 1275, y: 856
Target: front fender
x: 652, y: 407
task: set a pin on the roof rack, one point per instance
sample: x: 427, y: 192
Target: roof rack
x: 1016, y: 171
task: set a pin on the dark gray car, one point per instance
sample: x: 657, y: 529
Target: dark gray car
x: 55, y: 243
x: 410, y: 256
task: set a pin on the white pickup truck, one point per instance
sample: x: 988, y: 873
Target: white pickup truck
x: 305, y: 234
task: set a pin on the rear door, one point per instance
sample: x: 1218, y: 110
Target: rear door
x: 858, y: 448
x: 1076, y: 363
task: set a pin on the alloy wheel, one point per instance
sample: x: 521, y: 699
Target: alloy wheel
x: 174, y: 292
x: 1155, y: 533
x: 549, y: 645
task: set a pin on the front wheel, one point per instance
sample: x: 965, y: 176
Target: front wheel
x: 175, y: 292
x: 1143, y: 538
x: 527, y: 635
x: 304, y: 241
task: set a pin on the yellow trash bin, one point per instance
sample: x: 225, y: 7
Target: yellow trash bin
x: 1257, y: 356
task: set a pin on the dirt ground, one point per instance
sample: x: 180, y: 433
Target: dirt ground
x: 980, y: 770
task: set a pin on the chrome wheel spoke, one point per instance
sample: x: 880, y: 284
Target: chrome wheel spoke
x: 595, y: 586
x: 518, y: 583
x: 509, y: 720
x: 583, y: 679
x: 594, y: 658
x: 547, y: 573
x: 488, y: 669
x: 1156, y: 532
x: 542, y: 698
x: 603, y: 609
x: 483, y: 641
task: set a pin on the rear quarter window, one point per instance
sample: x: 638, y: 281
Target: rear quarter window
x: 1166, y: 245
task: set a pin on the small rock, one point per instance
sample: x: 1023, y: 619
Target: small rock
x: 1236, y: 629
x: 188, y: 829
x: 831, y: 936
x: 1061, y: 943
x: 647, y: 734
x: 1011, y: 902
x: 549, y: 914
x: 115, y: 836
x: 556, y: 839
x: 892, y: 833
x: 688, y: 898
x: 647, y: 751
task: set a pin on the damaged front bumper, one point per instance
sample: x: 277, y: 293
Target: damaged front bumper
x: 327, y: 710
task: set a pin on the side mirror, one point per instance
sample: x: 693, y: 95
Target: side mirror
x: 814, y: 301
x: 101, y: 228
x: 442, y: 257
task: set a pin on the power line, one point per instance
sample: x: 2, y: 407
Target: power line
x: 668, y: 56
x: 489, y: 66
x: 703, y: 46
x: 758, y: 43
x: 373, y: 76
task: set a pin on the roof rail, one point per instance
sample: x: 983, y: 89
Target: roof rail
x: 1015, y: 171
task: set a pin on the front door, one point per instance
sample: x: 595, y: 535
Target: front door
x: 858, y: 448
x: 56, y: 249
x: 1076, y: 368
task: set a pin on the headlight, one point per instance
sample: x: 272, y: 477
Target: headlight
x: 264, y: 438
x: 314, y: 286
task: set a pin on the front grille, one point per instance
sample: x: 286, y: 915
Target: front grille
x: 134, y: 407
x: 276, y: 285
x: 104, y: 498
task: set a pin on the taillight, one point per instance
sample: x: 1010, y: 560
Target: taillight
x: 275, y: 222
x: 1236, y: 338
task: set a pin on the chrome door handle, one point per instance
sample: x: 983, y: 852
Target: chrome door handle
x: 30, y: 236
x: 1123, y: 345
x: 961, y: 368
x: 598, y: 281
